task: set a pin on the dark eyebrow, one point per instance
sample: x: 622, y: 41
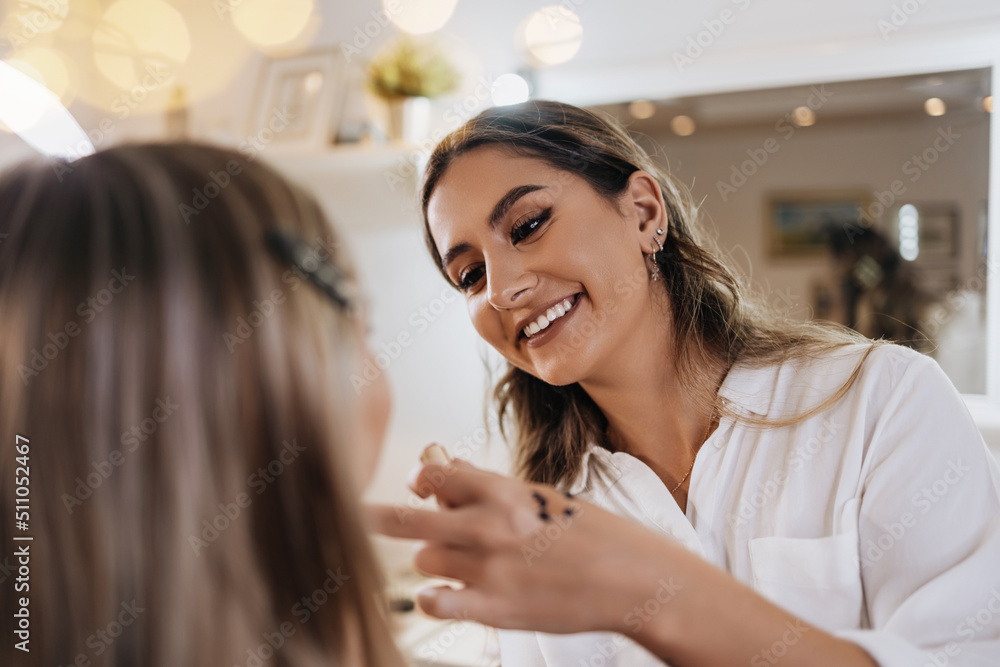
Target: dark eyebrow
x: 499, y: 211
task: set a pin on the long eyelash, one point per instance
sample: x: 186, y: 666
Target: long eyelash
x: 464, y: 283
x: 533, y: 223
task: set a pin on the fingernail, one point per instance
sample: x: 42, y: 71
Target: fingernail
x: 411, y: 477
x: 435, y: 453
x: 426, y: 595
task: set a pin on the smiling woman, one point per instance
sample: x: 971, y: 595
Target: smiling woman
x: 759, y: 455
x: 575, y: 210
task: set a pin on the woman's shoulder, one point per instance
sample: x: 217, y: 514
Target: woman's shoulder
x: 862, y: 372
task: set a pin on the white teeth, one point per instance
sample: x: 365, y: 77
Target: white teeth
x: 551, y: 315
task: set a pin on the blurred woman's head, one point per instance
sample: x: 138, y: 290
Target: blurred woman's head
x: 182, y: 380
x: 548, y: 213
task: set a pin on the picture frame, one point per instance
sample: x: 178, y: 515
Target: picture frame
x: 938, y: 230
x: 798, y: 223
x: 354, y: 123
x: 299, y: 100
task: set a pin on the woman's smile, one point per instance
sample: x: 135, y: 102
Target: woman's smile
x: 541, y: 328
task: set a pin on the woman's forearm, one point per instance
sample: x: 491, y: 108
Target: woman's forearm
x: 712, y: 620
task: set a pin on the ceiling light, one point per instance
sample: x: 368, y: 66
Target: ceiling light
x: 803, y: 116
x: 552, y: 35
x: 934, y: 106
x: 683, y: 126
x: 419, y: 17
x: 510, y: 89
x: 642, y: 109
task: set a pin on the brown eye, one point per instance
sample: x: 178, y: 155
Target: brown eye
x: 470, y: 277
x: 523, y: 230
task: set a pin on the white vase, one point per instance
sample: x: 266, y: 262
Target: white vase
x: 409, y: 119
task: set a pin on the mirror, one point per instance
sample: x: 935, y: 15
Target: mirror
x: 862, y: 202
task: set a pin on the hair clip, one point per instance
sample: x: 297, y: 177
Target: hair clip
x: 292, y: 250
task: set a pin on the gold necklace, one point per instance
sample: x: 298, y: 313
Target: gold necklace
x: 704, y: 438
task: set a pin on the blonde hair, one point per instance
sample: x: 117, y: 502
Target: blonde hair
x: 185, y: 397
x: 711, y: 314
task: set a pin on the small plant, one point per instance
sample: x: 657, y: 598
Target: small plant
x: 409, y: 68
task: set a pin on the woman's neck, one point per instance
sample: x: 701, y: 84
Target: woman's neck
x: 651, y: 415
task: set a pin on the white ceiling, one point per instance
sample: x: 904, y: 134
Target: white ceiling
x: 635, y: 36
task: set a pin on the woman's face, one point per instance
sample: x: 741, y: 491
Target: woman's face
x: 524, y: 240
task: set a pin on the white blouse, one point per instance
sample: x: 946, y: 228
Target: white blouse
x: 877, y: 520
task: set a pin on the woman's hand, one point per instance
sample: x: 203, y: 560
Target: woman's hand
x: 532, y: 558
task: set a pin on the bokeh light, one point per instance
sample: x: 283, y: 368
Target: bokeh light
x: 935, y: 106
x: 48, y: 67
x: 419, y: 17
x: 683, y: 126
x: 140, y: 41
x: 510, y: 89
x: 30, y: 18
x: 270, y: 23
x: 551, y: 36
x: 803, y: 116
x: 641, y: 109
x: 23, y: 104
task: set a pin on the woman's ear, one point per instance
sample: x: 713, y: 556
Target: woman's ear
x: 646, y: 210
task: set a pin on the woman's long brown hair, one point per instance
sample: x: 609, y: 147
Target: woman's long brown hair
x: 185, y: 399
x: 714, y: 321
